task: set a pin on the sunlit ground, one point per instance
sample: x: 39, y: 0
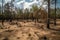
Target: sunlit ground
x: 28, y: 30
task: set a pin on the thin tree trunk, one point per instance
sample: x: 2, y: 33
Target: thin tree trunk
x: 2, y: 13
x: 48, y: 19
x: 55, y: 14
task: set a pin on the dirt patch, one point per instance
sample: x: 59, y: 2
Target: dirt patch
x: 23, y: 33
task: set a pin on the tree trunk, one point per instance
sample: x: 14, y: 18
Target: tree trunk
x: 48, y: 18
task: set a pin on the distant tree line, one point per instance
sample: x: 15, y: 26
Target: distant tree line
x: 19, y: 14
x: 9, y: 13
x: 52, y: 14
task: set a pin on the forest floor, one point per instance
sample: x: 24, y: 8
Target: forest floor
x: 23, y: 30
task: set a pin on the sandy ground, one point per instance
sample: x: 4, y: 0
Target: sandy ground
x: 27, y: 31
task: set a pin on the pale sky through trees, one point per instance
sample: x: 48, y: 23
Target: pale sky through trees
x: 25, y: 3
x: 28, y: 3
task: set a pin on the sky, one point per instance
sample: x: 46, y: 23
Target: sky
x: 25, y: 3
x: 28, y: 3
x: 58, y: 4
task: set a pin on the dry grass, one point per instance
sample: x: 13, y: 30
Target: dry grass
x: 27, y: 31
